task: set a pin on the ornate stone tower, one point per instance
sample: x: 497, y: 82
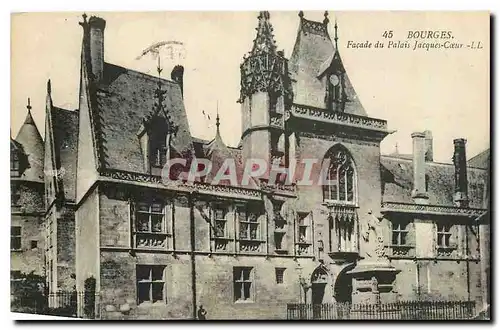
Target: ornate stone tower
x: 265, y: 94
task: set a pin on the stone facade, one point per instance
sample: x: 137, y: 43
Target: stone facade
x: 388, y: 228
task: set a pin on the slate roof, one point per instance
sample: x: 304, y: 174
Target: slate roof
x: 125, y: 98
x: 65, y: 130
x: 481, y: 160
x: 313, y: 53
x: 397, y: 182
x: 32, y: 144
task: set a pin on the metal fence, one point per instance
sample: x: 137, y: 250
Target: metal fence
x: 403, y: 310
x: 61, y: 303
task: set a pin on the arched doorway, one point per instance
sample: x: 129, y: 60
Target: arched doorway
x: 320, y: 290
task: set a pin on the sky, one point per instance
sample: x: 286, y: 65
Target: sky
x: 444, y: 91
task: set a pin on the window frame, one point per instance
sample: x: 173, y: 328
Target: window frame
x: 150, y: 282
x: 222, y: 220
x: 400, y: 229
x: 15, y: 165
x: 304, y: 217
x: 248, y: 223
x: 441, y: 235
x: 340, y: 162
x: 148, y: 235
x: 241, y: 281
x: 15, y: 237
x: 280, y: 275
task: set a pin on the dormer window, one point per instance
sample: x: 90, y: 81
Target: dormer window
x: 158, y: 147
x: 14, y: 165
x: 154, y: 139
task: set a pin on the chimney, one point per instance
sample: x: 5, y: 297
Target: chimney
x: 419, y: 192
x: 460, y: 161
x: 96, y: 43
x: 429, y: 156
x: 177, y: 75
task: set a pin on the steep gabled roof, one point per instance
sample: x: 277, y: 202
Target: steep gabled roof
x: 32, y: 144
x: 65, y: 132
x: 124, y: 99
x: 397, y: 182
x: 313, y: 54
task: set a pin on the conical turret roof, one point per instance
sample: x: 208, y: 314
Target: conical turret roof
x: 31, y: 140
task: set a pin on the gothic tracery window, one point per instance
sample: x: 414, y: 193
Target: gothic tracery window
x: 340, y: 177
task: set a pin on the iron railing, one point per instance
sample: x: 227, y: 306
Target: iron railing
x: 82, y: 304
x: 403, y: 310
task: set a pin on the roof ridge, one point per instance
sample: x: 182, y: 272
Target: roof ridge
x: 427, y: 162
x: 145, y: 75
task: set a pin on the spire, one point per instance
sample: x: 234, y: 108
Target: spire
x: 49, y: 87
x: 159, y: 100
x: 29, y: 119
x: 217, y: 145
x: 264, y: 41
x: 217, y: 119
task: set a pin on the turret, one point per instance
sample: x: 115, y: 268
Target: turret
x: 265, y: 93
x: 32, y: 145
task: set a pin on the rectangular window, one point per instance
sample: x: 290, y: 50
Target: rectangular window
x: 280, y: 272
x: 150, y: 225
x: 15, y: 238
x: 14, y: 165
x: 303, y: 227
x: 242, y: 277
x: 399, y: 233
x: 14, y: 195
x: 248, y: 222
x: 220, y: 221
x: 34, y: 244
x: 443, y: 235
x: 150, y: 283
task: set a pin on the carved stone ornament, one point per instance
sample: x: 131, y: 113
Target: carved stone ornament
x: 373, y: 237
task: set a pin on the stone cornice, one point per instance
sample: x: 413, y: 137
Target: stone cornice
x: 431, y: 209
x: 196, y: 187
x: 338, y: 118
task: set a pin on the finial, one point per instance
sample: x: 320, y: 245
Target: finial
x: 336, y: 36
x: 326, y: 20
x: 84, y: 23
x: 49, y: 87
x: 264, y: 15
x: 158, y: 67
x: 396, y: 151
x: 301, y: 14
x: 29, y: 105
x: 217, y: 119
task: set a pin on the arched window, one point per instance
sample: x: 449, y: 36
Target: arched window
x: 340, y: 177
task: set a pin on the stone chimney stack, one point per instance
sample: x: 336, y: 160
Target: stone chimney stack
x: 461, y: 185
x: 419, y: 192
x: 96, y: 43
x: 429, y: 156
x: 177, y: 75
